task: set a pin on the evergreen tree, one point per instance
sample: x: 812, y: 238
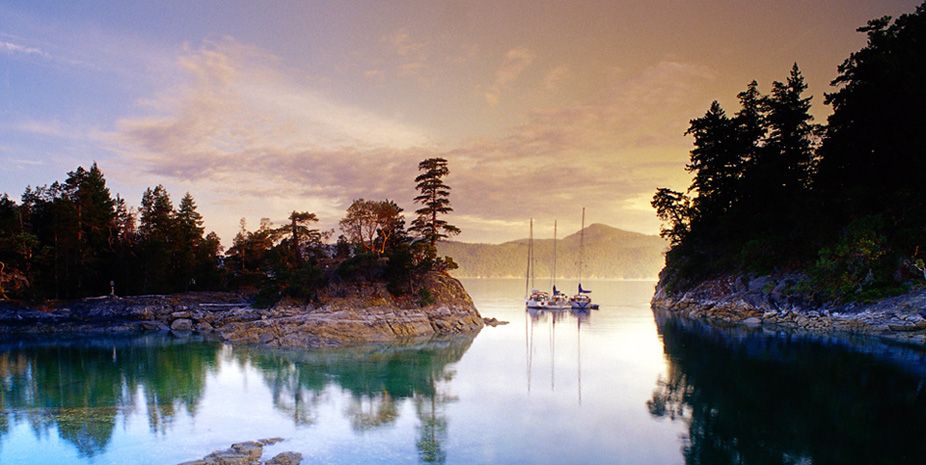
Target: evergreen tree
x: 788, y: 155
x: 187, y: 241
x: 96, y: 229
x: 301, y: 237
x: 434, y: 196
x: 716, y: 164
x: 156, y: 230
x: 872, y: 159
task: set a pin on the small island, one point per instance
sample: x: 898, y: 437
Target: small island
x: 820, y: 228
x: 75, y: 260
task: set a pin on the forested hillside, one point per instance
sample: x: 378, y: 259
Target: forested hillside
x: 609, y: 253
x: 842, y: 203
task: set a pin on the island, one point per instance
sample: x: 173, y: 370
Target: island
x: 73, y: 259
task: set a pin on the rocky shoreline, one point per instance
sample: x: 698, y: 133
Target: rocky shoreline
x: 347, y: 313
x: 769, y: 302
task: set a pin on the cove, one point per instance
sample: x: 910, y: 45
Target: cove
x: 623, y: 384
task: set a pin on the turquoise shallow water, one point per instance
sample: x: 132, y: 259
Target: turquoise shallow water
x: 611, y: 386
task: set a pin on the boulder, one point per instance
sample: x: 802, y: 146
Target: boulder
x: 286, y: 458
x: 181, y: 324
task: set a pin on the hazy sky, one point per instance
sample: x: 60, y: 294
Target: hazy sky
x: 259, y: 108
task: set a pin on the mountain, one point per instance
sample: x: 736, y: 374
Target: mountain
x: 609, y: 253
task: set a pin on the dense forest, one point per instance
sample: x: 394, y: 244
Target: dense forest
x: 73, y: 239
x: 841, y: 202
x: 609, y: 253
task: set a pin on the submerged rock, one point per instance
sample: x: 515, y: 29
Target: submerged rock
x: 247, y: 453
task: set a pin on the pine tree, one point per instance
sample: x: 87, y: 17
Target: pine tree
x: 156, y: 229
x: 434, y: 196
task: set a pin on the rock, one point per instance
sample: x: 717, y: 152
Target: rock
x: 154, y: 326
x: 286, y: 458
x: 178, y: 315
x: 757, y: 285
x: 203, y: 327
x: 771, y: 301
x: 252, y: 449
x: 493, y: 322
x: 248, y: 453
x: 228, y: 457
x: 181, y: 324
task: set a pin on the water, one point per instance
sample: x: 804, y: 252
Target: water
x: 612, y: 386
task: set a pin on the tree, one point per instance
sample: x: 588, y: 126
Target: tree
x: 300, y: 235
x: 716, y: 163
x: 373, y: 224
x: 789, y: 146
x: 434, y: 196
x: 872, y: 153
x: 16, y: 249
x: 673, y: 208
x: 156, y: 229
x: 187, y: 243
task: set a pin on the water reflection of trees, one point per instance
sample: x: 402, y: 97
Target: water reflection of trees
x: 378, y: 379
x: 81, y: 386
x: 759, y: 398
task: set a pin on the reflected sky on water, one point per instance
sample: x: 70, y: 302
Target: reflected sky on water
x: 609, y: 386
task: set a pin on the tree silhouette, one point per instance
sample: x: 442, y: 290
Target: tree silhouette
x: 434, y: 196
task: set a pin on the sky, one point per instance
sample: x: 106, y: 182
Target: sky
x: 261, y: 108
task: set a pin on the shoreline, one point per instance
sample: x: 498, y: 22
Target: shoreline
x: 764, y: 302
x: 354, y: 313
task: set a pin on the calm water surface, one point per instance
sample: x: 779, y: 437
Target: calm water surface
x: 616, y: 385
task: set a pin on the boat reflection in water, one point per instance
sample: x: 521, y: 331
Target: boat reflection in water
x: 551, y: 318
x: 766, y: 397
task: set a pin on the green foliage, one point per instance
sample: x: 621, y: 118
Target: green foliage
x: 425, y: 297
x: 73, y: 239
x: 857, y: 267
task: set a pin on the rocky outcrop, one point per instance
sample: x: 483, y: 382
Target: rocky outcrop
x: 773, y: 302
x: 348, y: 313
x: 248, y: 453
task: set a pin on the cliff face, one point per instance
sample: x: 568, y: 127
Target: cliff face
x: 770, y: 301
x: 349, y: 313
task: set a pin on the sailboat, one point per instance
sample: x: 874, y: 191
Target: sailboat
x: 534, y: 298
x: 582, y: 300
x: 537, y: 299
x: 558, y: 301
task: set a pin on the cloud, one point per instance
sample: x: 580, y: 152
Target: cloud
x: 609, y: 153
x: 11, y: 48
x: 403, y: 56
x: 239, y: 128
x: 554, y: 78
x: 516, y: 61
x: 251, y: 141
x: 18, y: 50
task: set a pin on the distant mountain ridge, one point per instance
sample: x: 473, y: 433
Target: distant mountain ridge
x: 610, y: 253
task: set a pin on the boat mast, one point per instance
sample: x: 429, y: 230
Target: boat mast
x: 581, y: 246
x: 530, y: 253
x: 553, y: 277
